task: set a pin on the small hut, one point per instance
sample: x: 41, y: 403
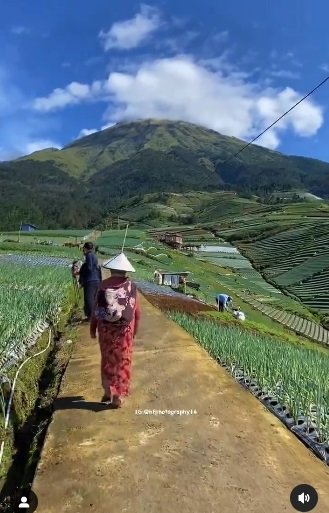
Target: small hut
x: 175, y: 240
x: 171, y: 279
x: 26, y: 227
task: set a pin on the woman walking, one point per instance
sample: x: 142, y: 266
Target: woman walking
x: 116, y: 318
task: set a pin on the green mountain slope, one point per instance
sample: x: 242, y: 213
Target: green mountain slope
x: 197, y: 207
x: 78, y: 185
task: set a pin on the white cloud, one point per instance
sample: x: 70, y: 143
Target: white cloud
x: 21, y: 131
x: 24, y: 135
x: 131, y: 33
x: 305, y: 119
x: 72, y: 94
x: 269, y: 140
x: 213, y: 94
x: 20, y: 139
x: 227, y: 103
x: 38, y: 145
x: 87, y: 131
x: 108, y: 125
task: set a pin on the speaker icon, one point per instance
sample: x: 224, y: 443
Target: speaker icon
x: 304, y: 497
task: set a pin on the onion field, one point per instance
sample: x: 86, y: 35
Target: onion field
x: 53, y: 233
x: 51, y: 250
x: 32, y: 292
x: 293, y: 378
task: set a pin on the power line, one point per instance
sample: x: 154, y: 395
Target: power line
x: 275, y: 122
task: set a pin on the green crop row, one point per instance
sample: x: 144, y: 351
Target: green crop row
x: 296, y: 376
x: 59, y: 251
x: 29, y: 296
x: 52, y: 233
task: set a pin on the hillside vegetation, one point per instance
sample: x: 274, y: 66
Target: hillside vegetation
x: 98, y: 175
x: 290, y: 246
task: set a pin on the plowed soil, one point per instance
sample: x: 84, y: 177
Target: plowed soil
x: 178, y: 304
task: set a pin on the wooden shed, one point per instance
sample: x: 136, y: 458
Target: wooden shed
x: 169, y: 278
x: 175, y: 240
x: 26, y: 227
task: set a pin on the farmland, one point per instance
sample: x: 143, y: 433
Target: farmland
x: 114, y: 238
x: 293, y: 380
x: 50, y: 233
x: 36, y: 298
x: 32, y: 292
x: 289, y: 245
x: 236, y: 276
x: 35, y: 286
x: 289, y: 378
x: 34, y: 249
x: 218, y: 266
x: 39, y: 241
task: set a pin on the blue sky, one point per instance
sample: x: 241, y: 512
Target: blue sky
x: 70, y: 68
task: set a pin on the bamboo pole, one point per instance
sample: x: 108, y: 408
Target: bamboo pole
x: 125, y: 237
x: 19, y: 233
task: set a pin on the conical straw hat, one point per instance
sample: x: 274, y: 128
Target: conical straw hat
x: 119, y: 263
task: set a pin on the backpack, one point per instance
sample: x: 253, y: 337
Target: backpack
x: 116, y: 305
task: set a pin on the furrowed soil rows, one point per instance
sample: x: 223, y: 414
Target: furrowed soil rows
x: 177, y: 304
x: 298, y: 324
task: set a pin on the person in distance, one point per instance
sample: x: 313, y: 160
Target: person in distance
x: 223, y: 301
x: 90, y: 277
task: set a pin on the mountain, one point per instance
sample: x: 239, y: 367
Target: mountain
x: 78, y: 185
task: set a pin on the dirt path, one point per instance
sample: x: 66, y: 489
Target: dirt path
x: 231, y: 457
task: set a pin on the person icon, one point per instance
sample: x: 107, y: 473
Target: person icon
x: 24, y: 504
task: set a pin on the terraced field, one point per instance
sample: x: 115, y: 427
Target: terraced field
x: 222, y: 259
x: 293, y: 246
x: 242, y: 275
x: 114, y: 238
x: 236, y: 274
x: 293, y: 322
x: 255, y: 281
x: 300, y: 272
x: 296, y: 258
x: 314, y: 292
